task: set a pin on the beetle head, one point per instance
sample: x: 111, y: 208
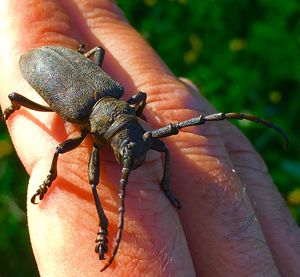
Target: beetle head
x: 136, y: 151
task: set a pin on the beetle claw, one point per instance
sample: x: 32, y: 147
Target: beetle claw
x: 101, y: 250
x: 40, y: 193
x: 33, y: 198
x: 5, y: 115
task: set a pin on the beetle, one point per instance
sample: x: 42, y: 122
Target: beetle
x: 79, y: 91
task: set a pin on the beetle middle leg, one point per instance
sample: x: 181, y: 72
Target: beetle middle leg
x: 17, y: 100
x: 139, y: 102
x: 159, y: 146
x: 63, y: 147
x: 94, y: 173
x: 98, y: 53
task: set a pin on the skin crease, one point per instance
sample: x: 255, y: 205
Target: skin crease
x: 233, y: 222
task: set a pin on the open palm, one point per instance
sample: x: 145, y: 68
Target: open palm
x: 233, y: 222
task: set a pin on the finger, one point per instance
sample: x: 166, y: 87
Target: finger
x: 280, y: 229
x: 62, y: 228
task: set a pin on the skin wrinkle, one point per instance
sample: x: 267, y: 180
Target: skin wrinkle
x: 145, y: 239
x: 99, y: 7
x: 58, y: 21
x: 97, y: 17
x: 164, y: 84
x: 217, y: 204
x: 239, y: 167
x: 37, y: 155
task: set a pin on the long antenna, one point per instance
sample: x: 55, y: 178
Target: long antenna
x: 123, y: 182
x: 173, y: 128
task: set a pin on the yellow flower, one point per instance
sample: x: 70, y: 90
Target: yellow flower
x: 237, y: 44
x: 294, y: 197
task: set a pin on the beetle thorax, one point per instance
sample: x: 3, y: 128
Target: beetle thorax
x: 114, y: 122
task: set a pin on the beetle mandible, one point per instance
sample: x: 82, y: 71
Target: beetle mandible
x: 75, y: 87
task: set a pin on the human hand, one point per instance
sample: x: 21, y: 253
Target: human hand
x: 233, y: 222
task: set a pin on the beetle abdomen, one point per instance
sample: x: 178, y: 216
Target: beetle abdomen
x: 68, y: 81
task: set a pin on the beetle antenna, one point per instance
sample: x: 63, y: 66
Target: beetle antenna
x: 126, y: 161
x: 253, y: 118
x: 173, y: 128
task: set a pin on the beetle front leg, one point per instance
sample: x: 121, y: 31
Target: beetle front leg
x: 94, y: 173
x: 63, y: 147
x: 17, y: 100
x: 159, y: 146
x: 139, y: 102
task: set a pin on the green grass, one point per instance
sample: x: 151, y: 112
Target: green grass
x: 243, y: 55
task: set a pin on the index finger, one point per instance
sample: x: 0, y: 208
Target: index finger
x: 63, y: 227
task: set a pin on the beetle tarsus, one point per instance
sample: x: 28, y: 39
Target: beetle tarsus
x: 42, y: 190
x: 101, y: 243
x: 10, y: 110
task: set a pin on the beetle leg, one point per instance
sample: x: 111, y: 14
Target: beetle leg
x: 159, y: 146
x: 81, y: 48
x: 98, y: 53
x: 173, y: 128
x: 63, y: 147
x: 17, y: 100
x: 139, y: 102
x: 94, y: 172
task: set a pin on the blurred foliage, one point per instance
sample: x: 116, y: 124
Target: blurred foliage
x: 243, y: 55
x: 15, y: 252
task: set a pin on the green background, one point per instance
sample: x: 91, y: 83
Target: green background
x: 243, y: 55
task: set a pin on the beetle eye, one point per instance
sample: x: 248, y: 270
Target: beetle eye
x: 124, y: 142
x: 147, y: 136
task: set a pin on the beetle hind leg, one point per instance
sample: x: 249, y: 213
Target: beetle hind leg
x: 94, y: 174
x: 17, y: 101
x: 63, y: 147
